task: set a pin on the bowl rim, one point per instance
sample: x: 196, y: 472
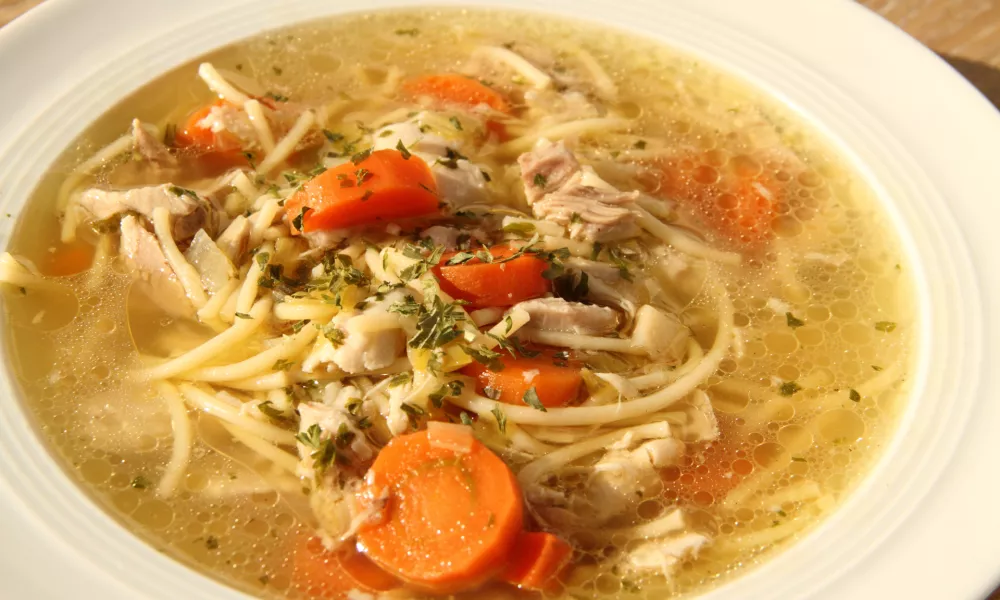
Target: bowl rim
x: 866, y: 93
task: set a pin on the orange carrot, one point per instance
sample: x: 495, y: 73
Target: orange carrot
x: 496, y: 283
x: 536, y: 560
x: 330, y: 575
x: 385, y: 186
x: 459, y: 90
x: 69, y: 259
x: 707, y: 476
x: 737, y: 205
x: 451, y: 517
x: 555, y: 385
x: 451, y: 88
x: 218, y: 150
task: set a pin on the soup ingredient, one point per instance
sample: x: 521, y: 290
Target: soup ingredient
x: 537, y: 559
x: 560, y: 190
x: 331, y: 575
x: 383, y: 186
x: 451, y: 517
x: 69, y: 259
x: 556, y: 314
x: 216, y: 147
x: 507, y: 276
x: 188, y: 212
x: 454, y: 89
x: 514, y: 380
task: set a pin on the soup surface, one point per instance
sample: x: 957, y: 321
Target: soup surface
x: 479, y: 304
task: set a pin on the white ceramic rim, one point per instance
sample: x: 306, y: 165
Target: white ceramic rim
x: 917, y: 131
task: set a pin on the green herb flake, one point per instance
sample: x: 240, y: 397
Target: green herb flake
x: 500, y: 417
x: 400, y: 379
x: 412, y: 32
x: 282, y: 365
x: 333, y: 137
x: 885, y: 326
x: 465, y: 418
x: 140, y: 482
x: 460, y: 258
x: 455, y: 123
x: 789, y: 388
x: 452, y: 388
x: 298, y: 221
x: 241, y: 315
x: 640, y: 145
x: 531, y: 399
x: 539, y: 180
x: 179, y: 191
x: 211, y: 542
x: 520, y: 228
x: 798, y: 459
x: 402, y: 150
x: 268, y: 409
x: 876, y: 368
x: 793, y: 321
x: 344, y: 436
x: 854, y: 395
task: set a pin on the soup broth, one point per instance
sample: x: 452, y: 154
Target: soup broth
x: 675, y: 314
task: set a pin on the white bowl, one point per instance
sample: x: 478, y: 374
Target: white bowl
x: 924, y: 524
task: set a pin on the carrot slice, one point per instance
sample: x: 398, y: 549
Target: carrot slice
x: 218, y: 150
x: 739, y: 206
x: 458, y: 90
x: 451, y: 88
x: 496, y: 283
x: 556, y: 385
x: 69, y: 259
x: 331, y: 575
x: 707, y: 476
x: 385, y: 186
x: 452, y: 517
x: 536, y: 560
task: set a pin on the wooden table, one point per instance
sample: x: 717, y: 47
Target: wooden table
x: 966, y: 33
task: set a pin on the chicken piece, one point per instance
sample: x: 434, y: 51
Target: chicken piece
x: 150, y: 148
x: 442, y: 236
x: 559, y: 189
x: 234, y: 241
x: 212, y: 264
x: 702, y: 424
x: 360, y: 351
x: 623, y: 478
x: 459, y: 181
x: 663, y: 554
x: 661, y: 333
x: 547, y: 168
x: 145, y: 259
x: 188, y: 211
x: 556, y: 314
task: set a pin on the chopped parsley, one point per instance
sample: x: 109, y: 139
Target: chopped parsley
x: 452, y: 388
x: 276, y: 96
x: 465, y: 418
x: 789, y: 388
x: 412, y: 32
x: 282, y: 365
x: 297, y: 221
x: 241, y: 315
x: 140, y: 482
x: 539, y: 180
x: 793, y: 321
x: 402, y: 150
x: 211, y: 542
x: 854, y: 395
x: 455, y: 123
x: 437, y: 324
x: 484, y: 356
x: 531, y: 399
x: 500, y: 417
x: 267, y: 408
x: 885, y: 326
x: 400, y: 379
x: 520, y: 228
x: 179, y: 191
x: 640, y: 145
x: 333, y: 137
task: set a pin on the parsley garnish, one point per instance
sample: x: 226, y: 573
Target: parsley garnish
x: 572, y: 287
x: 333, y: 137
x: 452, y: 388
x: 437, y: 324
x: 793, y: 321
x: 267, y: 408
x: 179, y: 191
x: 466, y: 419
x: 140, y: 482
x: 400, y: 379
x: 500, y: 417
x: 519, y: 228
x: 410, y: 32
x: 885, y: 326
x: 539, y: 180
x: 240, y: 315
x: 402, y: 150
x: 789, y: 388
x: 484, y: 356
x: 455, y: 123
x: 282, y: 365
x: 855, y: 396
x: 640, y: 145
x: 531, y: 399
x: 297, y: 221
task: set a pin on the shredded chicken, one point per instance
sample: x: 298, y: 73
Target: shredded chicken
x: 559, y: 189
x: 188, y: 211
x: 663, y: 554
x: 661, y: 333
x: 360, y: 351
x: 556, y: 314
x: 459, y: 181
x: 150, y: 148
x: 145, y: 259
